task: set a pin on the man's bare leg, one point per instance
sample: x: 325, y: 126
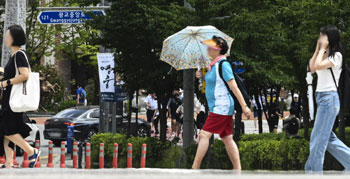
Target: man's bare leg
x: 232, y: 151
x: 202, y: 149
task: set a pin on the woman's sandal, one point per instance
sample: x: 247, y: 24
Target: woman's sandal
x: 34, y: 158
x: 4, y: 166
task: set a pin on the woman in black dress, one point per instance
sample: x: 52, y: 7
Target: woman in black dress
x: 13, y: 130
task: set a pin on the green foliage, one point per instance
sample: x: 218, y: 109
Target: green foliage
x: 159, y: 155
x: 275, y: 153
x: 52, y: 90
x: 66, y: 104
x: 255, y: 137
x: 265, y: 154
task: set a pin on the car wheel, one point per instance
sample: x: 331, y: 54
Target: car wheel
x: 37, y: 136
x: 90, y: 133
x: 57, y: 143
x: 142, y: 131
x: 19, y: 151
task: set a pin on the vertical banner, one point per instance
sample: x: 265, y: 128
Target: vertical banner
x: 107, y: 77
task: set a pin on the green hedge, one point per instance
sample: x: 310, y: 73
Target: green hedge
x: 265, y: 151
x: 159, y: 155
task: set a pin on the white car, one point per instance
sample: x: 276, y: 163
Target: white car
x: 35, y: 133
x: 33, y: 136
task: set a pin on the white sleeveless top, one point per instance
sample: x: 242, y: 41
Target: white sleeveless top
x: 325, y: 80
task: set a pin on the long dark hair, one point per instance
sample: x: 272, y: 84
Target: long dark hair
x: 333, y: 35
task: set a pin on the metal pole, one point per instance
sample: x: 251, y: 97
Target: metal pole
x: 188, y: 121
x: 107, y: 109
x: 15, y: 13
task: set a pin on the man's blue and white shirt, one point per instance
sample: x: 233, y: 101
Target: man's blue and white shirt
x: 219, y: 99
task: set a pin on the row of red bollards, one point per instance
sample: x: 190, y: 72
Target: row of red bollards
x: 25, y: 163
x: 115, y: 156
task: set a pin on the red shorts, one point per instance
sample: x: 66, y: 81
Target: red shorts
x: 219, y: 124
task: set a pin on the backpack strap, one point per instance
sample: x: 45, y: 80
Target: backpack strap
x: 335, y: 82
x: 222, y: 77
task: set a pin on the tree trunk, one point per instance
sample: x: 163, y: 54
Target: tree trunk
x: 260, y: 107
x: 237, y: 131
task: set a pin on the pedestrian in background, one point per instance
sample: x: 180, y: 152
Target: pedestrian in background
x: 173, y: 103
x: 151, y: 107
x: 13, y: 130
x: 274, y: 117
x: 256, y: 109
x: 327, y: 59
x: 81, y: 96
x: 296, y: 105
x: 221, y: 103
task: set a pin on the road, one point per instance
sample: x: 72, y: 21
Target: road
x: 159, y: 174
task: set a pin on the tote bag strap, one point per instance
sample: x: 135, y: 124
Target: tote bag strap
x: 25, y: 55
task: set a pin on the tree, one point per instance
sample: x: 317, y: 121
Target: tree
x: 136, y: 30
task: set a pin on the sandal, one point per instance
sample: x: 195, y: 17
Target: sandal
x: 34, y: 158
x: 4, y: 166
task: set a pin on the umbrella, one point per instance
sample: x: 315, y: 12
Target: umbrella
x: 310, y: 94
x: 183, y: 50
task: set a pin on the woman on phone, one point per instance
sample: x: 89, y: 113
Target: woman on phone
x: 13, y: 130
x: 327, y: 59
x: 220, y: 102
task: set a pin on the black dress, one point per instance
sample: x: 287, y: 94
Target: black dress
x: 11, y: 122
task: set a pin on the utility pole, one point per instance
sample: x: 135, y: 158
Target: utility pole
x: 15, y: 13
x: 188, y: 85
x: 108, y: 122
x: 188, y: 100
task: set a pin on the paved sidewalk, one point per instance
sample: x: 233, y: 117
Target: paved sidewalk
x: 159, y: 174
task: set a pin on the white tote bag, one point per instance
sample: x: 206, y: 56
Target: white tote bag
x: 25, y: 96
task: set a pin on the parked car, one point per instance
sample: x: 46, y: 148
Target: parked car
x: 85, y: 120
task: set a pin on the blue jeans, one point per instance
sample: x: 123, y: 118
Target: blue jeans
x: 322, y: 137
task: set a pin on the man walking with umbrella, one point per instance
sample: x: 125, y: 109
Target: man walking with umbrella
x: 221, y: 103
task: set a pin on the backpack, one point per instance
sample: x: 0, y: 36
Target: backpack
x: 240, y: 84
x: 82, y: 95
x: 343, y: 88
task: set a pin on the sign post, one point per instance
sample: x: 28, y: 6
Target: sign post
x: 66, y: 16
x: 107, y: 88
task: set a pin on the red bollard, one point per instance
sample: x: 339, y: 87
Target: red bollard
x: 37, y: 146
x: 2, y: 159
x: 129, y: 159
x: 88, y: 154
x: 25, y: 163
x: 102, y: 155
x: 50, y: 157
x: 15, y: 155
x: 63, y: 154
x: 75, y: 155
x: 115, y: 156
x: 143, y: 155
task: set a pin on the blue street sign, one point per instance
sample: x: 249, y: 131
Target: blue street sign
x: 66, y: 17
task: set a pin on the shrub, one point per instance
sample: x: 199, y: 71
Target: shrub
x: 66, y: 104
x: 158, y: 154
x: 268, y: 136
x: 287, y: 154
x: 257, y: 152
